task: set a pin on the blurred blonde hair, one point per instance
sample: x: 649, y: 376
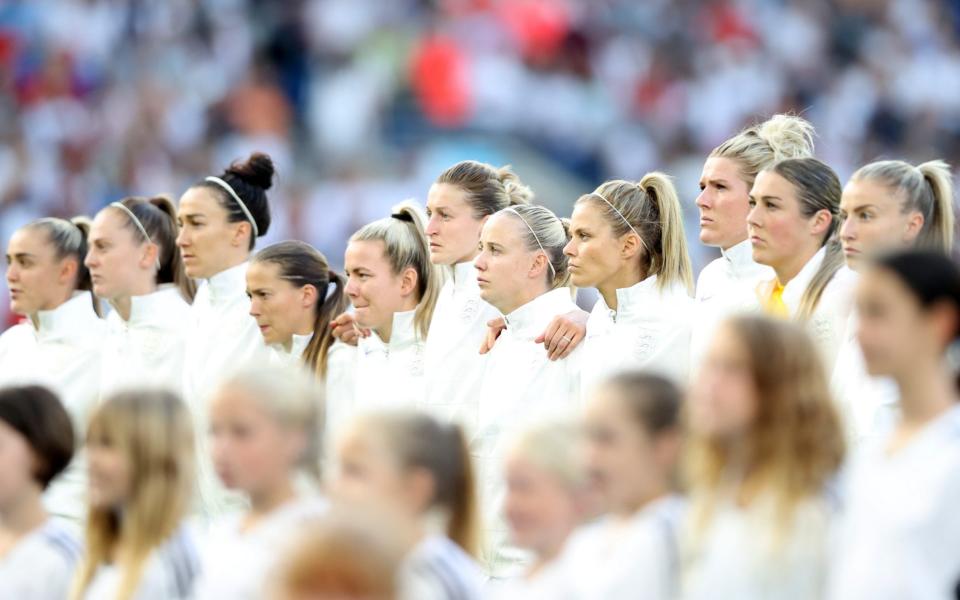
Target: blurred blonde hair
x: 405, y: 243
x: 552, y: 447
x: 795, y: 444
x: 345, y: 554
x: 153, y: 431
x: 292, y: 399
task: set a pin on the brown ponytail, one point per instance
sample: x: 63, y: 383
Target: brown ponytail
x: 301, y: 264
x: 158, y: 216
x: 328, y: 309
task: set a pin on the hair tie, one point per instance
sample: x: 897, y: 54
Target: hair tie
x: 139, y: 225
x: 331, y: 287
x: 405, y: 217
x: 243, y: 207
x: 536, y: 239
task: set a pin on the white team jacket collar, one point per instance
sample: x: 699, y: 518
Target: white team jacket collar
x: 299, y: 344
x: 793, y: 290
x: 633, y: 299
x: 739, y: 262
x: 533, y: 317
x: 153, y: 307
x: 72, y: 318
x: 403, y: 334
x: 465, y: 277
x: 227, y: 285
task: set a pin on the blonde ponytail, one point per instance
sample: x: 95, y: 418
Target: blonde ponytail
x: 406, y: 246
x: 651, y: 209
x: 293, y: 399
x: 927, y: 189
x: 939, y: 231
x: 674, y: 259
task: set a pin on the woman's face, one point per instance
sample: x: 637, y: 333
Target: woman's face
x: 724, y: 203
x: 779, y: 231
x: 17, y: 464
x: 873, y: 221
x: 119, y: 263
x: 374, y: 289
x: 627, y: 465
x: 37, y: 279
x: 453, y: 229
x: 251, y: 450
x: 366, y: 472
x: 208, y: 242
x: 507, y: 270
x: 280, y: 308
x: 596, y: 254
x: 723, y: 398
x: 109, y: 474
x: 894, y: 332
x: 540, y: 510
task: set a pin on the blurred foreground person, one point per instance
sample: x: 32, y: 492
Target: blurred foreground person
x: 140, y: 451
x: 633, y: 444
x: 901, y: 531
x: 547, y: 498
x: 765, y: 443
x: 345, y: 555
x: 418, y: 470
x: 38, y: 554
x: 265, y: 426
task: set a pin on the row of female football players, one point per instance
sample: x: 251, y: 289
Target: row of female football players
x: 465, y: 314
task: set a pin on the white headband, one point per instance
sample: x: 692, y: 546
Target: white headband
x: 139, y: 225
x: 243, y: 207
x: 536, y: 239
x: 620, y: 214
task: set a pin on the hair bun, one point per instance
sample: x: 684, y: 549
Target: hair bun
x: 789, y: 136
x: 257, y: 170
x: 517, y: 192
